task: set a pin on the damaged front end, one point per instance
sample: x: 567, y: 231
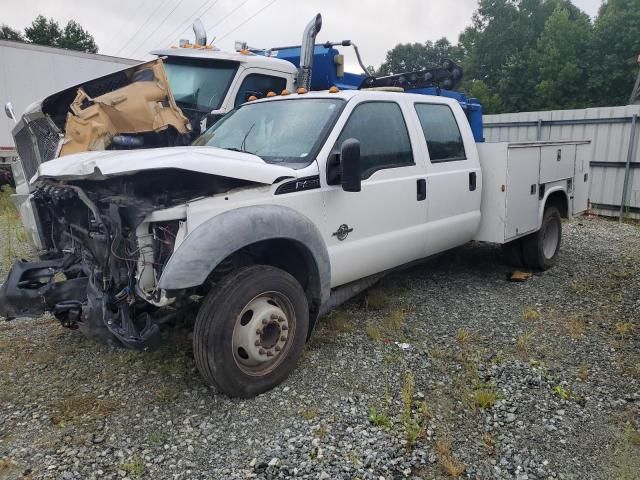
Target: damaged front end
x: 104, y: 257
x: 128, y: 109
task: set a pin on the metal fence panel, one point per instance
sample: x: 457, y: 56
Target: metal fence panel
x: 610, y: 131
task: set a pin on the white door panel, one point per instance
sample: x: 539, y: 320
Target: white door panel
x: 388, y: 224
x: 454, y: 177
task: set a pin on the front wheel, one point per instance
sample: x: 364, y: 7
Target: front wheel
x: 540, y: 249
x: 250, y: 331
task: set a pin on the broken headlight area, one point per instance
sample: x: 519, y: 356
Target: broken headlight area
x: 103, y: 259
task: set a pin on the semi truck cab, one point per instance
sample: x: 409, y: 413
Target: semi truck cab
x: 207, y: 83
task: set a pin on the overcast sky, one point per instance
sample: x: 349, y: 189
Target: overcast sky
x: 130, y: 28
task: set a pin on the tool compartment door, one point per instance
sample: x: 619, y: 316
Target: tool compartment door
x: 523, y: 170
x: 582, y: 179
x: 557, y: 162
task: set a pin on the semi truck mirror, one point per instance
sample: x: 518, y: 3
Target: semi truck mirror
x: 8, y: 109
x: 350, y: 163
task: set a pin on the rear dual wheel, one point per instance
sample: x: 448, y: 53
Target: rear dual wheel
x: 251, y: 330
x: 540, y: 249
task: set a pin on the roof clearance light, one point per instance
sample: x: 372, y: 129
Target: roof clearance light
x: 285, y: 92
x: 252, y: 98
x: 302, y: 91
x: 271, y: 94
x: 334, y: 89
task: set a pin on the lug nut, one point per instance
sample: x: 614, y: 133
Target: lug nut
x: 282, y: 319
x: 269, y: 353
x: 257, y: 343
x: 274, y: 316
x: 284, y: 328
x: 278, y: 348
x: 264, y: 321
x: 283, y: 338
x: 259, y: 331
x: 261, y: 351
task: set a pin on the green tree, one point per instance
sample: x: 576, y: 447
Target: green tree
x: 8, y: 33
x: 497, y: 47
x: 48, y: 32
x: 407, y: 57
x: 491, y: 102
x: 43, y: 31
x: 75, y: 37
x: 615, y: 47
x: 561, y: 62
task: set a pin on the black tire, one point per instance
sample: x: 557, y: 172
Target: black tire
x: 512, y: 253
x: 540, y: 249
x: 214, y: 337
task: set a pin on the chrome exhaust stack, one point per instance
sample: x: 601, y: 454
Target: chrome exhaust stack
x: 306, y: 51
x: 200, y: 33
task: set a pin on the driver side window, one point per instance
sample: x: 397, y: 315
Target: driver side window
x: 383, y: 136
x: 259, y: 85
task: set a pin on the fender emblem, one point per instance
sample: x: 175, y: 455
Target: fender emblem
x: 342, y: 232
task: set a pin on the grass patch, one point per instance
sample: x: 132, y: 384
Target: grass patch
x: 624, y: 329
x: 379, y: 417
x: 16, y: 244
x: 5, y: 464
x: 413, y: 424
x: 309, y: 413
x: 134, y: 467
x: 338, y: 322
x: 489, y: 442
x: 562, y: 392
x: 320, y: 432
x: 157, y: 438
x: 74, y: 407
x: 485, y: 397
x: 582, y: 372
x: 463, y: 337
x: 449, y: 465
x: 389, y: 328
x: 523, y: 342
x: 530, y: 314
x: 576, y: 326
x: 626, y: 454
x: 376, y: 299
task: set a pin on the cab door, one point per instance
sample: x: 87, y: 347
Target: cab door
x: 454, y: 178
x: 382, y: 226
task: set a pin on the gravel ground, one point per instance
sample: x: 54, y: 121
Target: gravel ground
x: 444, y: 370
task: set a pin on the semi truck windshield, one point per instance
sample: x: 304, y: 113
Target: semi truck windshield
x: 199, y: 85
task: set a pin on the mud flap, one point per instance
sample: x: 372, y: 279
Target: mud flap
x: 31, y: 289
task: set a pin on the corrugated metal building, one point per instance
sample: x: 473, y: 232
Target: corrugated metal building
x: 613, y: 132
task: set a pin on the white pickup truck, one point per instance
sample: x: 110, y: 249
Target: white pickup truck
x: 282, y: 210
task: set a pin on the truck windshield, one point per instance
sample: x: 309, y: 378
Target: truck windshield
x: 197, y: 84
x: 282, y: 131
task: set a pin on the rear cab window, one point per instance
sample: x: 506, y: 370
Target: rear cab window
x: 441, y: 132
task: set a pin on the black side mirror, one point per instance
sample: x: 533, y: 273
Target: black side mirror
x: 350, y: 165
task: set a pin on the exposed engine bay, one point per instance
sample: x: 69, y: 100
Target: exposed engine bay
x: 102, y: 260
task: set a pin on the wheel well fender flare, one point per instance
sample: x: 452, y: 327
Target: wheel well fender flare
x: 547, y: 194
x: 214, y: 240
